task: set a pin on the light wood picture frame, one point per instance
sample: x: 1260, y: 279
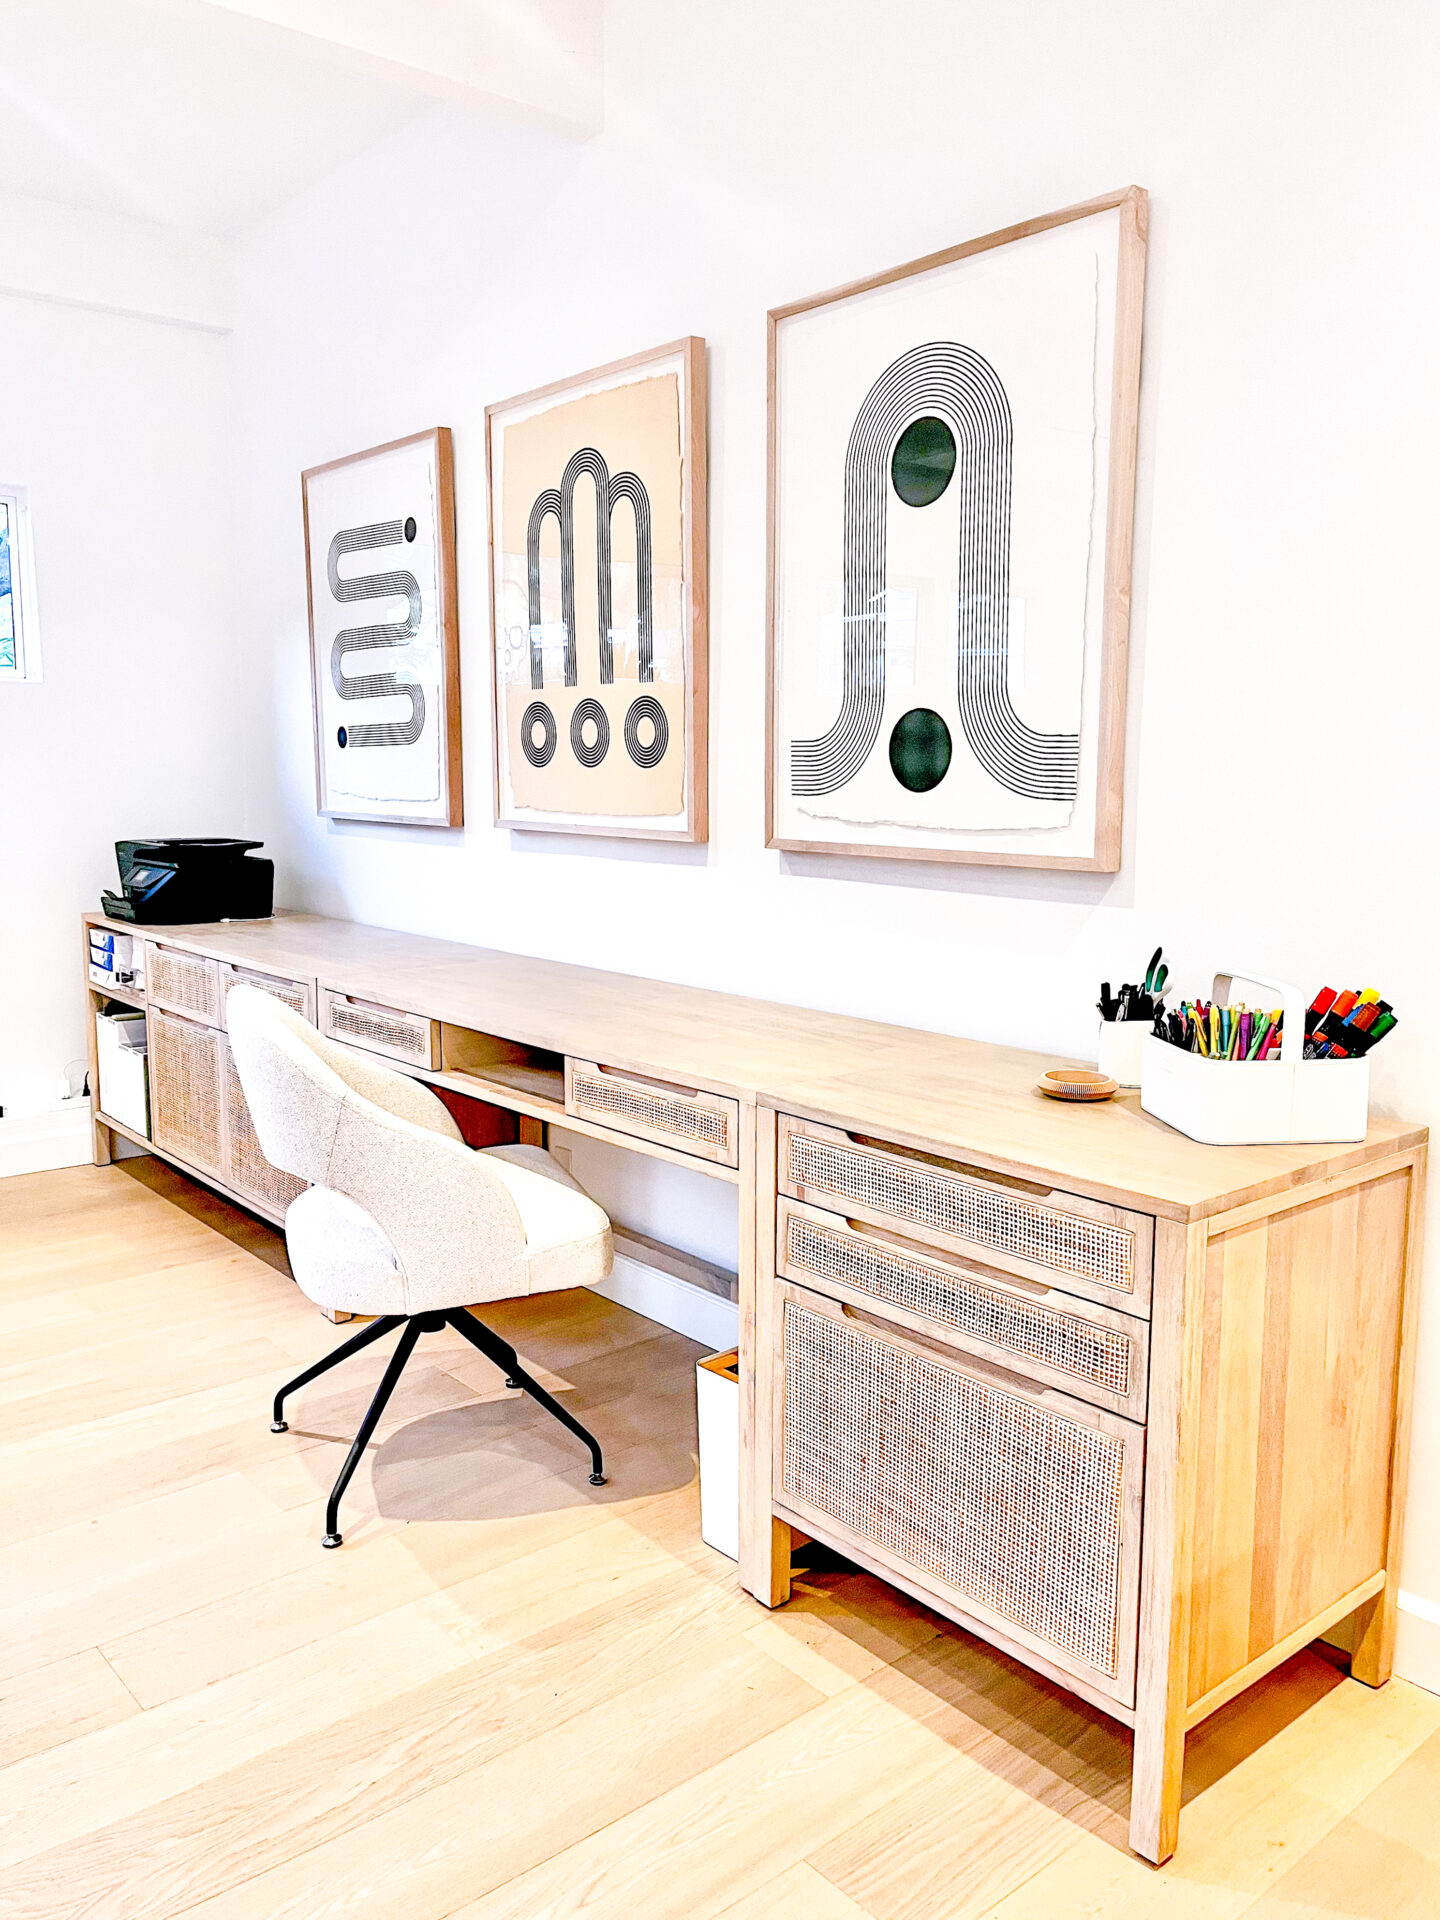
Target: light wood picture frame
x: 1009, y: 364
x: 599, y: 653
x: 385, y: 679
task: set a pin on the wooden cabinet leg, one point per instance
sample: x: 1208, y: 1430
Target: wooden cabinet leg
x: 1373, y: 1647
x: 1155, y: 1781
x: 1161, y: 1690
x: 104, y: 1143
x: 764, y: 1540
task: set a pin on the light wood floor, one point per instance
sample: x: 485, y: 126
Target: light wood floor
x: 512, y: 1694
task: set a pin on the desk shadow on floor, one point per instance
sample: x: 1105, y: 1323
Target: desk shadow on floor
x: 1071, y: 1759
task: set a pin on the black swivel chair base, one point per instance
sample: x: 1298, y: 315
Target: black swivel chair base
x: 478, y: 1334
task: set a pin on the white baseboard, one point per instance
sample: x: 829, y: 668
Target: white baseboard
x: 699, y: 1315
x: 1417, y: 1641
x: 41, y: 1142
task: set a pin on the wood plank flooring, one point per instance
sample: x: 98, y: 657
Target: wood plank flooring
x: 512, y: 1694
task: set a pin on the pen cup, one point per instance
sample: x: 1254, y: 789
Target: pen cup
x: 1120, y: 1045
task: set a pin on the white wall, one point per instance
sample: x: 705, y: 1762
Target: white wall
x: 118, y: 426
x: 1281, y: 811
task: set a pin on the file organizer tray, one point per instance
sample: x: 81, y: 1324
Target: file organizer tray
x: 1235, y: 1103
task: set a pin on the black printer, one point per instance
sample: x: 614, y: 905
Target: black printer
x: 167, y: 883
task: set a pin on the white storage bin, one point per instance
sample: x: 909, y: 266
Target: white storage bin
x: 717, y: 1408
x: 1246, y: 1103
x: 124, y: 1087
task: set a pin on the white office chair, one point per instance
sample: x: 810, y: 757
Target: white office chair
x: 403, y: 1220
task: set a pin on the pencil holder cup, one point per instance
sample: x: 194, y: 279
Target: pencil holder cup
x: 1234, y: 1103
x: 1120, y: 1050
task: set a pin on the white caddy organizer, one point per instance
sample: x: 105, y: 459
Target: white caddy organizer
x: 1254, y: 1103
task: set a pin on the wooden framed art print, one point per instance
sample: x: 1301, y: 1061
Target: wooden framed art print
x: 598, y: 600
x: 384, y: 635
x: 951, y: 497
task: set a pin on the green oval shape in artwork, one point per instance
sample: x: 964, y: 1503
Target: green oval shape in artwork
x: 920, y: 750
x: 923, y: 462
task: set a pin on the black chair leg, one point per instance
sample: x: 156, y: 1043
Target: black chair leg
x: 366, y: 1337
x: 404, y: 1348
x: 508, y: 1361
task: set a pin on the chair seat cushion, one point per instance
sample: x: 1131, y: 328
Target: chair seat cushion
x: 342, y: 1258
x: 567, y: 1236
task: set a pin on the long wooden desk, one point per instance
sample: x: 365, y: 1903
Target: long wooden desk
x: 1131, y: 1408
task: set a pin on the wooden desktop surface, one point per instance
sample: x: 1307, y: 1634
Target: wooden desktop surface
x: 967, y: 1098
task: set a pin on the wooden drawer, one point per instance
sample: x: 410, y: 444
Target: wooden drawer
x: 1015, y: 1507
x: 187, y: 1091
x: 183, y: 982
x: 299, y: 994
x: 408, y: 1037
x: 1100, y: 1252
x: 1049, y: 1336
x: 705, y: 1124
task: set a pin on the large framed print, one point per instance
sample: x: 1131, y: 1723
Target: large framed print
x: 598, y: 600
x: 384, y: 634
x: 951, y: 501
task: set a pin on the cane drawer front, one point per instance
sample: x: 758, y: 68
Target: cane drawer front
x: 1083, y: 1246
x: 1018, y: 1508
x: 246, y: 1168
x: 687, y: 1118
x: 182, y: 982
x: 408, y: 1037
x: 1055, y: 1338
x: 187, y: 1090
x: 296, y: 994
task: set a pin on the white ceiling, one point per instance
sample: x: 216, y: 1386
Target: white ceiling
x: 191, y: 114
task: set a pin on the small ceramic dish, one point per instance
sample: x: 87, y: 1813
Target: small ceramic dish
x: 1077, y: 1083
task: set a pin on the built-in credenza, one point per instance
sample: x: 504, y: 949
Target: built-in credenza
x: 1132, y: 1409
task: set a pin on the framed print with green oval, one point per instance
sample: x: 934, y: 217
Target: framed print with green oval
x: 952, y: 454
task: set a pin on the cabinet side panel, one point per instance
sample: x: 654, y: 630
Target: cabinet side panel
x: 1297, y: 1404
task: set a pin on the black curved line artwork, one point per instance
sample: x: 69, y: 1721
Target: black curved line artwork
x: 646, y: 707
x: 397, y: 633
x: 951, y: 382
x: 546, y: 503
x: 589, y: 709
x: 537, y: 714
x: 610, y: 489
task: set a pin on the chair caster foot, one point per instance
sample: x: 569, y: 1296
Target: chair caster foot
x: 332, y: 1540
x: 279, y: 1426
x: 597, y: 1480
x: 513, y: 1383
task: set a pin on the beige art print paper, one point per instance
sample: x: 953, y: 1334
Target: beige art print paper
x: 590, y: 640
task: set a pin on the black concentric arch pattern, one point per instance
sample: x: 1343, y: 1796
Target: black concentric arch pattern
x: 538, y: 714
x: 646, y: 707
x: 959, y: 386
x: 398, y: 633
x: 589, y: 709
x: 610, y: 489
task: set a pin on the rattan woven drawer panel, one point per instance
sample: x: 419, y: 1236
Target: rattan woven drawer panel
x: 247, y: 1169
x: 704, y: 1124
x: 1056, y: 1338
x: 183, y: 982
x: 386, y: 1030
x: 299, y: 994
x: 187, y: 1091
x: 1081, y: 1245
x: 1018, y: 1509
